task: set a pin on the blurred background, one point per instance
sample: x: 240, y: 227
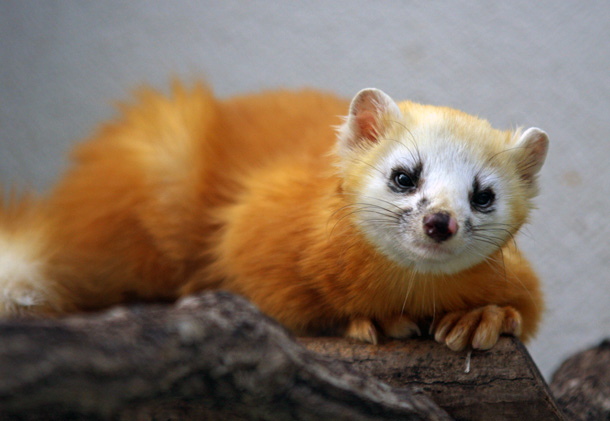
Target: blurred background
x: 64, y: 64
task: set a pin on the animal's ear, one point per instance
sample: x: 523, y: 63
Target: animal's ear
x: 531, y: 150
x: 368, y: 112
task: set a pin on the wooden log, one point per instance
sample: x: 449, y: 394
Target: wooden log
x: 500, y: 384
x: 581, y: 384
x: 212, y: 356
x: 215, y: 356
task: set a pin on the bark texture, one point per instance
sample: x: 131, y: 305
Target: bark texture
x: 212, y: 356
x: 215, y: 356
x: 500, y: 384
x: 582, y: 384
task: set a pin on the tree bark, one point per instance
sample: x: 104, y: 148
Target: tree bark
x: 500, y: 384
x: 212, y: 356
x: 582, y: 384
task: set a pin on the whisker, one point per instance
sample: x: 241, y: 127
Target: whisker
x: 362, y: 206
x: 390, y: 216
x: 369, y: 165
x: 411, y: 138
x: 373, y: 198
x: 410, y: 285
x: 513, y: 276
x: 506, y: 150
x: 417, y: 159
x: 479, y: 230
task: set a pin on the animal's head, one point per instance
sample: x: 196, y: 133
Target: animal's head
x: 433, y: 188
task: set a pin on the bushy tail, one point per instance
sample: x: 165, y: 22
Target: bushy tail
x: 24, y: 255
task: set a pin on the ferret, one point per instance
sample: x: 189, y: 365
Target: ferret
x: 370, y: 226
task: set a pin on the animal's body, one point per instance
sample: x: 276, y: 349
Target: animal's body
x: 403, y: 215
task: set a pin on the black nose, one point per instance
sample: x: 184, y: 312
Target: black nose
x: 440, y: 226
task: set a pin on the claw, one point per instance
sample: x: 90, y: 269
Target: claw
x: 362, y: 330
x: 401, y: 328
x: 479, y: 328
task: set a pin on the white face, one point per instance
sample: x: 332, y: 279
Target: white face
x: 435, y: 207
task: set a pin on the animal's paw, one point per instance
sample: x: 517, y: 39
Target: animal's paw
x: 362, y: 329
x: 480, y: 327
x: 400, y: 327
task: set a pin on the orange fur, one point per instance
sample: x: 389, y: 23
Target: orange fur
x: 188, y: 193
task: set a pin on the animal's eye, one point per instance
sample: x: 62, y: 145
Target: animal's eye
x: 403, y: 181
x: 483, y: 199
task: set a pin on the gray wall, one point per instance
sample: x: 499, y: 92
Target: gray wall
x: 63, y: 64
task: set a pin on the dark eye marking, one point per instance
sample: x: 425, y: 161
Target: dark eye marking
x: 404, y: 180
x: 482, y: 198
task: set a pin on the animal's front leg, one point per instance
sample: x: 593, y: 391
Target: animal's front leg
x: 480, y: 327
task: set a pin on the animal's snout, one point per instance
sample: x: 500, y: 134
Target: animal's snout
x: 440, y: 226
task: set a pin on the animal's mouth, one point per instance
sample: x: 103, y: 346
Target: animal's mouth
x: 434, y: 251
